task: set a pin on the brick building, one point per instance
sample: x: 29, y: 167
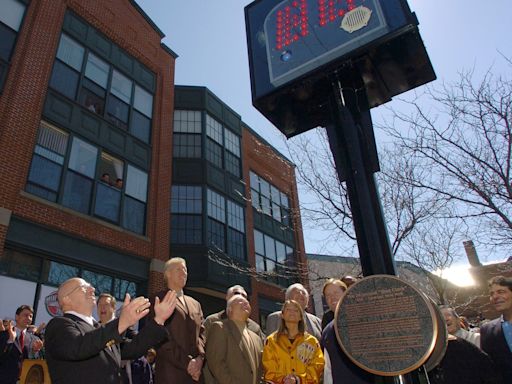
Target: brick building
x: 90, y: 153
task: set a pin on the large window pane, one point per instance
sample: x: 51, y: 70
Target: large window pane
x: 232, y: 142
x: 77, y: 192
x: 216, y: 234
x: 186, y: 145
x: 187, y: 121
x: 140, y: 126
x: 7, y: 40
x: 232, y: 164
x: 108, y: 201
x: 97, y: 70
x: 134, y: 215
x: 216, y: 206
x: 259, y: 244
x: 280, y: 252
x: 186, y: 199
x: 236, y: 218
x: 136, y: 183
x: 45, y: 173
x: 214, y: 153
x: 270, y: 248
x: 64, y: 79
x: 236, y: 244
x: 121, y: 87
x: 117, y: 112
x: 12, y: 13
x: 143, y: 101
x: 186, y: 229
x: 214, y: 129
x: 91, y: 100
x: 71, y: 52
x: 83, y: 158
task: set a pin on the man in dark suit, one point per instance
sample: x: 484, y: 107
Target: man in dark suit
x: 298, y: 293
x: 180, y: 357
x: 233, y: 351
x: 496, y: 335
x: 17, y: 344
x: 78, y: 350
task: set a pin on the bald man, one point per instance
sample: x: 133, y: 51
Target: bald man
x: 79, y: 350
x: 233, y: 351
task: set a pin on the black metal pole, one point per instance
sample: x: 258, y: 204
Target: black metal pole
x: 351, y: 148
x: 355, y: 155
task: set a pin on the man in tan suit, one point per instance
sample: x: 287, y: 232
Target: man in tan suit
x: 232, y: 350
x: 180, y: 357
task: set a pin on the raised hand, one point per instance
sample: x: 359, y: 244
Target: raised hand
x: 132, y: 311
x: 164, y: 308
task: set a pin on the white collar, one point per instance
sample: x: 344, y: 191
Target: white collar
x: 88, y: 319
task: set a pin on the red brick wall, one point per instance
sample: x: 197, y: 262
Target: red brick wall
x: 21, y: 106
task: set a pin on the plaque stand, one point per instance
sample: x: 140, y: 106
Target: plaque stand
x: 352, y: 143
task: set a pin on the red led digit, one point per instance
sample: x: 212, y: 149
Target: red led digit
x: 291, y: 23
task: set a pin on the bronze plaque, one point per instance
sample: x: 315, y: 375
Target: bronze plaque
x: 385, y: 325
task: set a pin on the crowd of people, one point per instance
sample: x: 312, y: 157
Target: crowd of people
x: 177, y: 345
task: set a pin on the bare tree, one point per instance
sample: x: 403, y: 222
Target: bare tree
x: 463, y: 144
x: 404, y: 205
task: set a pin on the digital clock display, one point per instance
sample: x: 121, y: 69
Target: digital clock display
x: 296, y: 48
x: 301, y: 35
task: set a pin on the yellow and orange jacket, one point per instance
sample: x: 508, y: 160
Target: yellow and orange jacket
x: 303, y: 358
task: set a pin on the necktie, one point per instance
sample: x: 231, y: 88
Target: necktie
x: 21, y: 340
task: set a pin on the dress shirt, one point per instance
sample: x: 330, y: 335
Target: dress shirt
x: 88, y: 319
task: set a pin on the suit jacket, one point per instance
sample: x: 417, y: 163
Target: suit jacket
x: 78, y: 353
x: 492, y: 341
x: 313, y: 324
x: 186, y: 340
x: 220, y: 316
x: 11, y: 356
x: 228, y: 357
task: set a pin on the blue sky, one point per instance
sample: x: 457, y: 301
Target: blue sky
x: 209, y: 37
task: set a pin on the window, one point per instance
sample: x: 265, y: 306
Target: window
x: 274, y: 258
x: 222, y: 211
x: 11, y: 18
x: 186, y: 214
x: 232, y: 153
x: 102, y: 89
x: 216, y: 206
x: 269, y: 200
x: 87, y: 180
x: 46, y: 168
x: 186, y: 199
x: 187, y: 134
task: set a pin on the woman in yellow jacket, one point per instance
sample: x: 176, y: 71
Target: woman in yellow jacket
x: 291, y: 355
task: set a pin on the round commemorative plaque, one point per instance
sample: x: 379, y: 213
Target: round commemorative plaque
x: 385, y: 325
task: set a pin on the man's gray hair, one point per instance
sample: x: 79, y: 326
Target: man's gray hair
x: 295, y: 286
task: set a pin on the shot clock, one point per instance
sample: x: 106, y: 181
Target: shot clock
x: 296, y: 46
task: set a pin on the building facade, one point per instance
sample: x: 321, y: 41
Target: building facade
x: 234, y: 206
x: 101, y: 179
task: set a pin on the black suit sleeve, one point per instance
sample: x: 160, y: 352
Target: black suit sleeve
x: 148, y: 337
x: 66, y: 339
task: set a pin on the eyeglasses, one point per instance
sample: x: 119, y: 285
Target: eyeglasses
x: 84, y: 285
